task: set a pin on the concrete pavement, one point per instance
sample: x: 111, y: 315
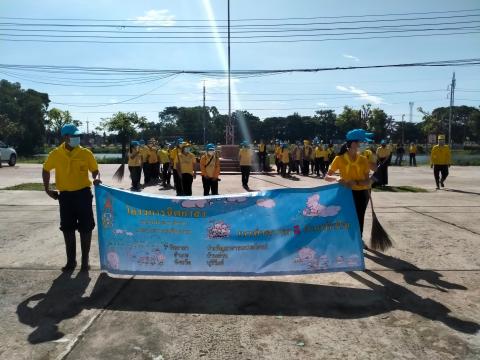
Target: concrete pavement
x: 419, y: 300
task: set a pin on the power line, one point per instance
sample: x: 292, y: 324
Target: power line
x: 245, y: 19
x: 137, y: 42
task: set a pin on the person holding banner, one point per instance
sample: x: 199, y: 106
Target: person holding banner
x: 72, y: 163
x: 186, y: 168
x: 354, y: 171
x: 210, y: 168
x: 245, y: 157
x: 135, y: 165
x: 440, y: 161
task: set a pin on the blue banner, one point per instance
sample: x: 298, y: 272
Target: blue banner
x: 272, y: 232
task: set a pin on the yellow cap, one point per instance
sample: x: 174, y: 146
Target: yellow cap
x: 441, y: 137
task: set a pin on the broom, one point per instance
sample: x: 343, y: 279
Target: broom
x: 380, y: 240
x: 120, y: 173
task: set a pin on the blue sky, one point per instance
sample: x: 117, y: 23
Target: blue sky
x: 304, y: 91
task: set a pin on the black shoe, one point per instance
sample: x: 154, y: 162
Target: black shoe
x: 84, y: 267
x: 442, y: 184
x: 69, y: 267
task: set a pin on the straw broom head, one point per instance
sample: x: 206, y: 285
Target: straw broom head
x: 380, y: 240
x: 119, y: 173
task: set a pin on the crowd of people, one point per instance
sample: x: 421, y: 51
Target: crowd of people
x: 352, y: 165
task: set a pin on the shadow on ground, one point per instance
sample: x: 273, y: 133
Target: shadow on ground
x: 65, y: 300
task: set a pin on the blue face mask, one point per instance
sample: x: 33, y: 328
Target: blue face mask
x: 74, y: 141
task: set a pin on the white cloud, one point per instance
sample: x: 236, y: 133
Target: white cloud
x: 362, y: 94
x: 216, y: 83
x: 351, y: 57
x: 157, y: 18
x: 322, y: 104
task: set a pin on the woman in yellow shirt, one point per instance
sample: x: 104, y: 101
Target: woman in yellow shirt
x: 210, y: 168
x: 135, y: 165
x: 353, y: 171
x: 285, y: 160
x: 186, y: 168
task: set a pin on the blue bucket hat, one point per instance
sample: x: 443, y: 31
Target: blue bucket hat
x: 179, y: 141
x: 70, y: 129
x: 142, y: 142
x: 359, y: 135
x: 135, y: 143
x: 210, y: 147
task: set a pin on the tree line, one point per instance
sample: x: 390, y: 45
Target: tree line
x: 27, y: 123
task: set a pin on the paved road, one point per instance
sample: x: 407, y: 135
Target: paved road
x: 421, y: 300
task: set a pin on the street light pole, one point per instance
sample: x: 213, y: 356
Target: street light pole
x: 452, y: 99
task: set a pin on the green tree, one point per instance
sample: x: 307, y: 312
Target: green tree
x: 125, y: 125
x: 55, y: 120
x: 25, y: 111
x: 326, y: 121
x: 349, y: 119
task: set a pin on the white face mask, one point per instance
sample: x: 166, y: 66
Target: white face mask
x: 74, y: 141
x: 187, y: 150
x: 210, y: 152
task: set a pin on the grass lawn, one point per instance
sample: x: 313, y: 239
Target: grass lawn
x: 28, y: 186
x: 411, y: 189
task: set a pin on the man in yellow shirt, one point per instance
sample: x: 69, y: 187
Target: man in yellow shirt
x: 440, y: 161
x: 285, y: 160
x: 164, y: 159
x: 262, y: 155
x: 384, y: 155
x: 295, y: 157
x: 72, y: 163
x: 412, y: 150
x: 245, y: 157
x: 210, y: 168
x: 320, y: 157
x: 153, y: 164
x: 306, y: 157
x: 278, y: 152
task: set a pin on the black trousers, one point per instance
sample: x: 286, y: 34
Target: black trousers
x: 320, y: 166
x: 440, y: 169
x: 382, y: 172
x: 209, y: 184
x: 177, y: 182
x: 413, y: 159
x: 262, y: 159
x: 135, y: 175
x: 187, y: 181
x: 246, y: 174
x: 306, y: 167
x: 361, y: 198
x: 154, y: 171
x: 76, y: 211
x: 166, y: 174
x: 146, y: 173
x: 278, y: 164
x: 284, y: 166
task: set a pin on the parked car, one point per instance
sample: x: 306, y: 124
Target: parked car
x: 7, y: 154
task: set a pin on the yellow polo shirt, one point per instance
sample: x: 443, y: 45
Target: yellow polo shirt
x: 163, y: 156
x: 383, y: 152
x: 143, y: 152
x: 412, y: 149
x: 71, y: 167
x: 187, y: 162
x: 357, y: 170
x: 245, y: 157
x: 441, y: 155
x: 136, y: 160
x: 173, y: 157
x: 370, y: 156
x: 152, y: 155
x: 285, y: 156
x: 261, y: 147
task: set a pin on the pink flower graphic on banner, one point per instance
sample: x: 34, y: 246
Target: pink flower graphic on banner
x: 266, y: 203
x: 233, y: 200
x: 308, y: 257
x: 314, y: 208
x: 113, y: 260
x: 219, y: 230
x: 189, y: 204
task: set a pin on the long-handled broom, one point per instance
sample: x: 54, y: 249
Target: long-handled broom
x: 380, y: 240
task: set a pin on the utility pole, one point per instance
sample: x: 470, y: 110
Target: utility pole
x: 411, y: 110
x: 452, y: 99
x: 403, y: 128
x: 204, y: 116
x: 229, y: 136
x: 88, y: 132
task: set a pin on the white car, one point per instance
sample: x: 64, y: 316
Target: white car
x: 7, y: 154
